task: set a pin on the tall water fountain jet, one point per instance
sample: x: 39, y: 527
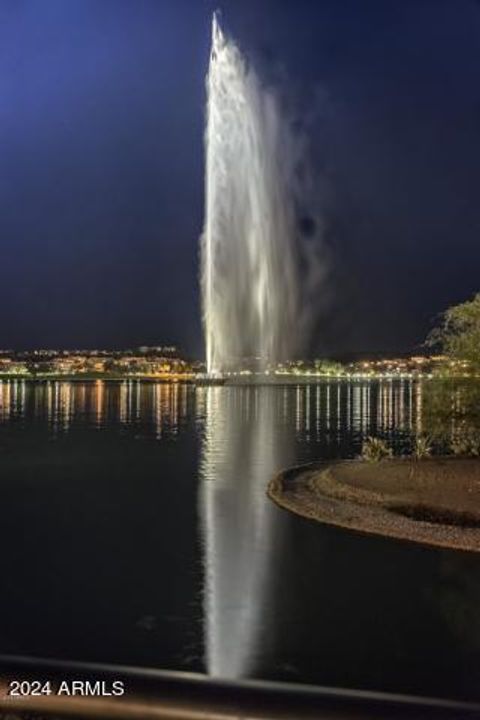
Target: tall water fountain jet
x: 249, y: 264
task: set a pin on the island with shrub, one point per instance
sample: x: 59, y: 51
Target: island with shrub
x: 434, y: 500
x: 430, y: 494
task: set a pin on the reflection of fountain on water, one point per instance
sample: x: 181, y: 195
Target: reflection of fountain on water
x: 248, y: 436
x: 241, y: 450
x: 249, y: 281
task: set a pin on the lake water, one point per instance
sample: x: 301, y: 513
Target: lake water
x: 135, y: 530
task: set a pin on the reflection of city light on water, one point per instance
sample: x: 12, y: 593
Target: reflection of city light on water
x: 66, y: 405
x: 169, y: 407
x: 99, y: 402
x: 343, y: 404
x: 123, y: 402
x: 419, y: 406
x: 5, y: 401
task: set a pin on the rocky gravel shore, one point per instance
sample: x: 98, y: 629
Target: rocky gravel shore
x: 433, y: 501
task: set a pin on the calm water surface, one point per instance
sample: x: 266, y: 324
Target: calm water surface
x: 135, y: 530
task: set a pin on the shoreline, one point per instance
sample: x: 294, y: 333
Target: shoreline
x: 97, y: 378
x: 239, y: 381
x: 434, y: 502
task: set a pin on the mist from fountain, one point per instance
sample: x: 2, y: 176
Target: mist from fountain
x: 249, y: 260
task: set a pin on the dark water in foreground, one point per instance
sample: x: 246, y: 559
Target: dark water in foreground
x: 135, y: 530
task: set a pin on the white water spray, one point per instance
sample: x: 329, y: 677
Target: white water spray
x: 249, y: 264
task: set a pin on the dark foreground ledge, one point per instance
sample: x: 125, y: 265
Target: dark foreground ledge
x: 185, y: 696
x: 435, y: 501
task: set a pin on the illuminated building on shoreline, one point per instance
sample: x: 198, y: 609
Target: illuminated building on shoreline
x: 144, y: 362
x: 164, y: 362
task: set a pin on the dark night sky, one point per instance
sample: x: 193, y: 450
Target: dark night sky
x: 101, y: 154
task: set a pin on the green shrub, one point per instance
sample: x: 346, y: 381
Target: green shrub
x: 466, y: 443
x: 375, y: 449
x: 422, y: 447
